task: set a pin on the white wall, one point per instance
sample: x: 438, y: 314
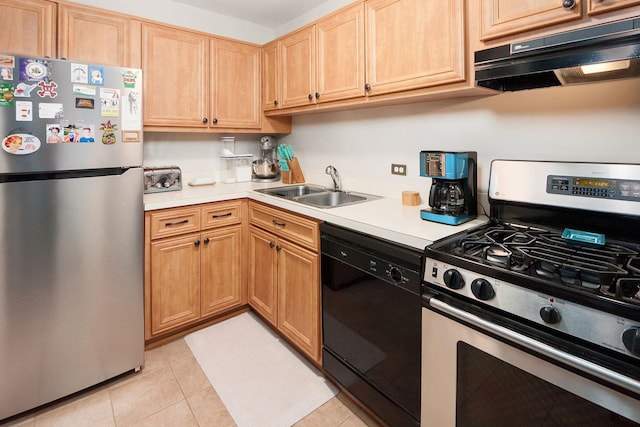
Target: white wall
x: 314, y: 14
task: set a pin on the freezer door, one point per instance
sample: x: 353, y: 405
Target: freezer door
x: 71, y: 285
x: 54, y: 111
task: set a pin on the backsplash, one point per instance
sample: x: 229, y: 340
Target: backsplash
x: 597, y: 122
x: 196, y: 154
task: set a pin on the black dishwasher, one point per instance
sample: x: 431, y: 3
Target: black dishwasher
x: 371, y: 314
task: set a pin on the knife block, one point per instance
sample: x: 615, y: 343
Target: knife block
x: 294, y: 175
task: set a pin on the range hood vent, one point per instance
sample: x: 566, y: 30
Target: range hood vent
x: 599, y: 53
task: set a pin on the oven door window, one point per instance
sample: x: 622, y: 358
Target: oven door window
x: 493, y: 393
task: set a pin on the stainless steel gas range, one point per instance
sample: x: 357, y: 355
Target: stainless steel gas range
x: 535, y: 316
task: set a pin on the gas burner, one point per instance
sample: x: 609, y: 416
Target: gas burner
x: 496, y: 254
x: 626, y: 289
x: 509, y: 237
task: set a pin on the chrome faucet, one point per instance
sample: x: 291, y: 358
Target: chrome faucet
x: 335, y: 176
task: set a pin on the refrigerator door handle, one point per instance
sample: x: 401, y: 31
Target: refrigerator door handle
x: 42, y: 176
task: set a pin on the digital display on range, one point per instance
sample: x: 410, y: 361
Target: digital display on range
x: 594, y: 183
x: 601, y: 188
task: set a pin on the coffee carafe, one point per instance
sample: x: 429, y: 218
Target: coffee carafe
x: 452, y: 196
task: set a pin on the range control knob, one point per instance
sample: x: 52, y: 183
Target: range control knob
x: 550, y: 315
x: 631, y: 340
x: 482, y: 289
x: 395, y: 274
x: 453, y: 279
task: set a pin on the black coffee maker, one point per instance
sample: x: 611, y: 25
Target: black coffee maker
x: 453, y: 195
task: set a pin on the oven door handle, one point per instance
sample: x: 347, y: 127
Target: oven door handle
x: 544, y: 349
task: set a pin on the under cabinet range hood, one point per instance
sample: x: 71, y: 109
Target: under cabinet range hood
x: 599, y: 53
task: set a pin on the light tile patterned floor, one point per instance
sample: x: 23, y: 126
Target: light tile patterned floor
x: 171, y: 390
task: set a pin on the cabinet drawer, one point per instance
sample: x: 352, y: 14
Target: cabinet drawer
x: 301, y: 230
x: 221, y: 214
x: 174, y: 221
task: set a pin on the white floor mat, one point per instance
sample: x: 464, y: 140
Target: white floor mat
x: 259, y: 377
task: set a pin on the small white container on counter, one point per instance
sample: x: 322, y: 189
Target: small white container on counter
x: 243, y: 168
x: 237, y: 168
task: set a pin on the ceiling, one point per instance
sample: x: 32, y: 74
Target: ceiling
x: 268, y: 13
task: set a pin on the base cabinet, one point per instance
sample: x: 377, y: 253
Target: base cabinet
x: 284, y: 275
x: 193, y: 276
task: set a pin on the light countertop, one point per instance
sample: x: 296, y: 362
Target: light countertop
x: 386, y: 218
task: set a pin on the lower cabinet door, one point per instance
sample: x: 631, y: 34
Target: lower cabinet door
x: 221, y: 285
x: 299, y: 297
x: 175, y: 278
x: 263, y: 273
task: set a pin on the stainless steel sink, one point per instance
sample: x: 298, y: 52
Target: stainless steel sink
x: 291, y: 191
x: 330, y: 199
x: 315, y: 195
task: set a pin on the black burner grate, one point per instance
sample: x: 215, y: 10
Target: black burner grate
x: 612, y: 269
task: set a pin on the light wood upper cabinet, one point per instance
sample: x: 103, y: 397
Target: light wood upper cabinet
x: 414, y: 43
x: 29, y: 27
x: 194, y: 82
x: 504, y: 17
x: 176, y: 77
x: 271, y: 76
x: 319, y: 63
x: 298, y: 68
x: 595, y: 7
x: 340, y: 49
x: 235, y: 84
x: 95, y: 36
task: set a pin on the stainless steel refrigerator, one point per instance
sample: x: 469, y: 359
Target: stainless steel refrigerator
x: 71, y: 228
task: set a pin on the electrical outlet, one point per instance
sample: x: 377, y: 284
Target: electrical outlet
x: 397, y: 169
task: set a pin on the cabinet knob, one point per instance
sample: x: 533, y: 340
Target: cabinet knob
x: 310, y: 97
x: 367, y: 87
x: 196, y: 243
x: 317, y: 95
x: 278, y: 248
x: 568, y: 4
x: 206, y: 240
x: 214, y: 121
x: 271, y: 244
x: 275, y: 102
x: 205, y: 120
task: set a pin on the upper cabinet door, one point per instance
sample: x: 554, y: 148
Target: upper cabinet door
x: 505, y: 17
x: 298, y: 68
x: 29, y: 27
x: 93, y: 36
x: 270, y: 76
x: 340, y: 54
x: 236, y: 84
x: 414, y: 43
x: 176, y: 82
x: 599, y: 6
